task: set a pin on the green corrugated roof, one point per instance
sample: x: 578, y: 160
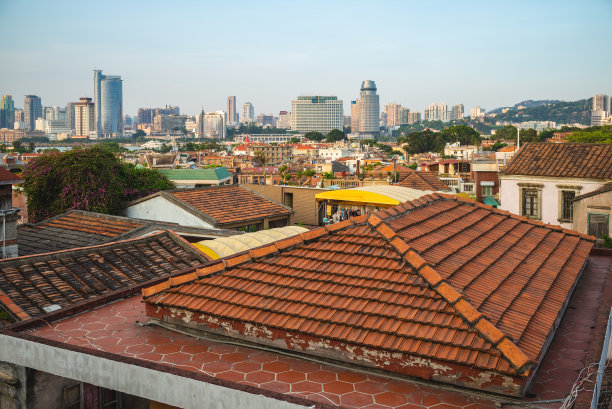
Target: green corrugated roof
x: 196, y: 174
x: 488, y: 200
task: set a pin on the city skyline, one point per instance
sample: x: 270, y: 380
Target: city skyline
x: 478, y: 53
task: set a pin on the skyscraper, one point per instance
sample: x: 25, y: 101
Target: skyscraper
x: 599, y: 102
x: 393, y: 114
x: 248, y: 113
x: 369, y: 109
x: 232, y: 116
x: 355, y: 116
x: 7, y: 112
x: 211, y: 125
x: 70, y: 115
x: 84, y: 118
x: 456, y: 112
x: 32, y: 108
x: 108, y: 103
x: 317, y: 113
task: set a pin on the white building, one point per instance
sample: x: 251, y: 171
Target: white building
x: 248, y: 113
x: 542, y: 180
x: 317, y: 113
x: 537, y: 125
x: 333, y: 154
x: 477, y: 112
x: 437, y: 112
x: 212, y: 125
x: 369, y: 109
x: 465, y: 152
x: 284, y: 120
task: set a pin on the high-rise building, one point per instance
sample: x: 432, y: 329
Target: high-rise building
x: 355, y: 116
x: 437, y: 112
x: 19, y: 119
x: 108, y: 103
x: 7, y: 112
x: 317, y: 113
x: 393, y: 114
x: 599, y: 102
x: 266, y: 120
x: 456, y: 112
x: 212, y: 125
x: 70, y: 115
x: 32, y: 108
x: 248, y: 113
x: 369, y: 109
x: 232, y: 116
x: 84, y: 118
x: 477, y: 112
x: 284, y: 120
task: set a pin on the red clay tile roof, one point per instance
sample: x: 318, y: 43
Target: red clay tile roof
x: 230, y: 204
x: 424, y: 181
x: 440, y: 278
x: 30, y: 283
x: 6, y: 176
x: 73, y: 229
x: 382, y: 171
x: 576, y: 160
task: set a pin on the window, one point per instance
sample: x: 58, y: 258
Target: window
x: 487, y: 190
x: 567, y: 205
x: 288, y: 199
x: 598, y: 225
x: 531, y: 203
x: 71, y: 397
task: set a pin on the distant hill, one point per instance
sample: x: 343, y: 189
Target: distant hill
x: 561, y: 112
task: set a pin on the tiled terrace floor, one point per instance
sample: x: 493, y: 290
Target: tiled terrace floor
x: 114, y: 329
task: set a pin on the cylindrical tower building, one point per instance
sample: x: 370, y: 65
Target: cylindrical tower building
x: 369, y: 109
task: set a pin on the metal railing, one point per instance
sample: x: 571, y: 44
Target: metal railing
x: 602, y: 364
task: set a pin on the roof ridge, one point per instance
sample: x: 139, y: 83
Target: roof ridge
x: 13, y: 308
x: 253, y: 254
x: 476, y: 320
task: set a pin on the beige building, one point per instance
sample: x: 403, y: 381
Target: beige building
x: 275, y: 154
x: 393, y: 111
x: 593, y: 212
x: 317, y: 113
x: 300, y: 199
x: 84, y: 118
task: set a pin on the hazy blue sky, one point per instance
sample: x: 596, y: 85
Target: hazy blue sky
x: 196, y: 53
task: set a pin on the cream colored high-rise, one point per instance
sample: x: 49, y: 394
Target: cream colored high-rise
x: 393, y: 111
x: 84, y: 118
x: 369, y: 109
x: 317, y: 114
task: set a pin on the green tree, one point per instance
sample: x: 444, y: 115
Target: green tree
x: 595, y: 134
x: 508, y: 132
x: 461, y: 133
x: 295, y: 140
x: 529, y: 135
x: 314, y: 136
x: 164, y: 148
x: 91, y: 179
x: 328, y: 175
x: 139, y: 134
x: 335, y: 135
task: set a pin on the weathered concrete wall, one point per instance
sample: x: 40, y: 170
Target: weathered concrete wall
x: 599, y: 204
x: 12, y: 394
x: 160, y: 209
x: 147, y: 383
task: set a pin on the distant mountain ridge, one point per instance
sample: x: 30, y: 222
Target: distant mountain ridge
x: 561, y: 112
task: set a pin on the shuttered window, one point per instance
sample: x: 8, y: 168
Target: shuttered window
x: 598, y: 225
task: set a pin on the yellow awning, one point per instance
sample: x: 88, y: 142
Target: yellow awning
x: 373, y: 195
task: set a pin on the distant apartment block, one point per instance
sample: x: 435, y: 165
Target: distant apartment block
x: 456, y: 112
x: 284, y: 120
x: 108, y: 103
x: 266, y: 120
x: 601, y: 109
x: 32, y: 108
x: 212, y: 125
x: 275, y: 154
x: 437, y: 112
x: 477, y: 112
x: 232, y: 115
x: 248, y: 113
x: 355, y: 116
x: 8, y: 136
x: 393, y: 111
x: 317, y: 113
x: 84, y: 118
x: 168, y: 123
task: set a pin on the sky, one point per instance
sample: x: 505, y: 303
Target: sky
x: 196, y: 53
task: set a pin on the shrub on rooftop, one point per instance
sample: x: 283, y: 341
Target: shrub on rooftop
x: 91, y: 179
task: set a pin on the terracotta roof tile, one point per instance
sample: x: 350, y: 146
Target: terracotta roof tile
x: 577, y: 160
x: 424, y: 181
x: 6, y: 176
x: 230, y: 204
x: 70, y: 276
x: 474, y: 286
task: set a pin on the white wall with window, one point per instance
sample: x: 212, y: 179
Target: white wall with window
x: 547, y: 199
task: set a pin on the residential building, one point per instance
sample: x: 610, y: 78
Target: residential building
x: 593, y: 213
x: 267, y: 138
x: 70, y: 115
x: 408, y: 118
x: 477, y: 112
x: 334, y: 153
x: 393, y: 111
x: 437, y: 112
x: 537, y: 125
x: 600, y: 103
x: 355, y: 117
x: 32, y: 109
x: 108, y: 103
x: 275, y: 154
x: 169, y: 123
x: 84, y: 118
x: 10, y: 214
x: 424, y: 181
x: 248, y: 113
x: 317, y: 113
x: 228, y: 207
x: 369, y: 109
x: 212, y: 125
x: 232, y: 114
x: 543, y: 179
x: 599, y: 118
x: 266, y: 120
x: 284, y: 120
x: 458, y: 151
x: 7, y: 112
x: 8, y: 136
x: 54, y: 113
x: 456, y: 112
x: 19, y: 119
